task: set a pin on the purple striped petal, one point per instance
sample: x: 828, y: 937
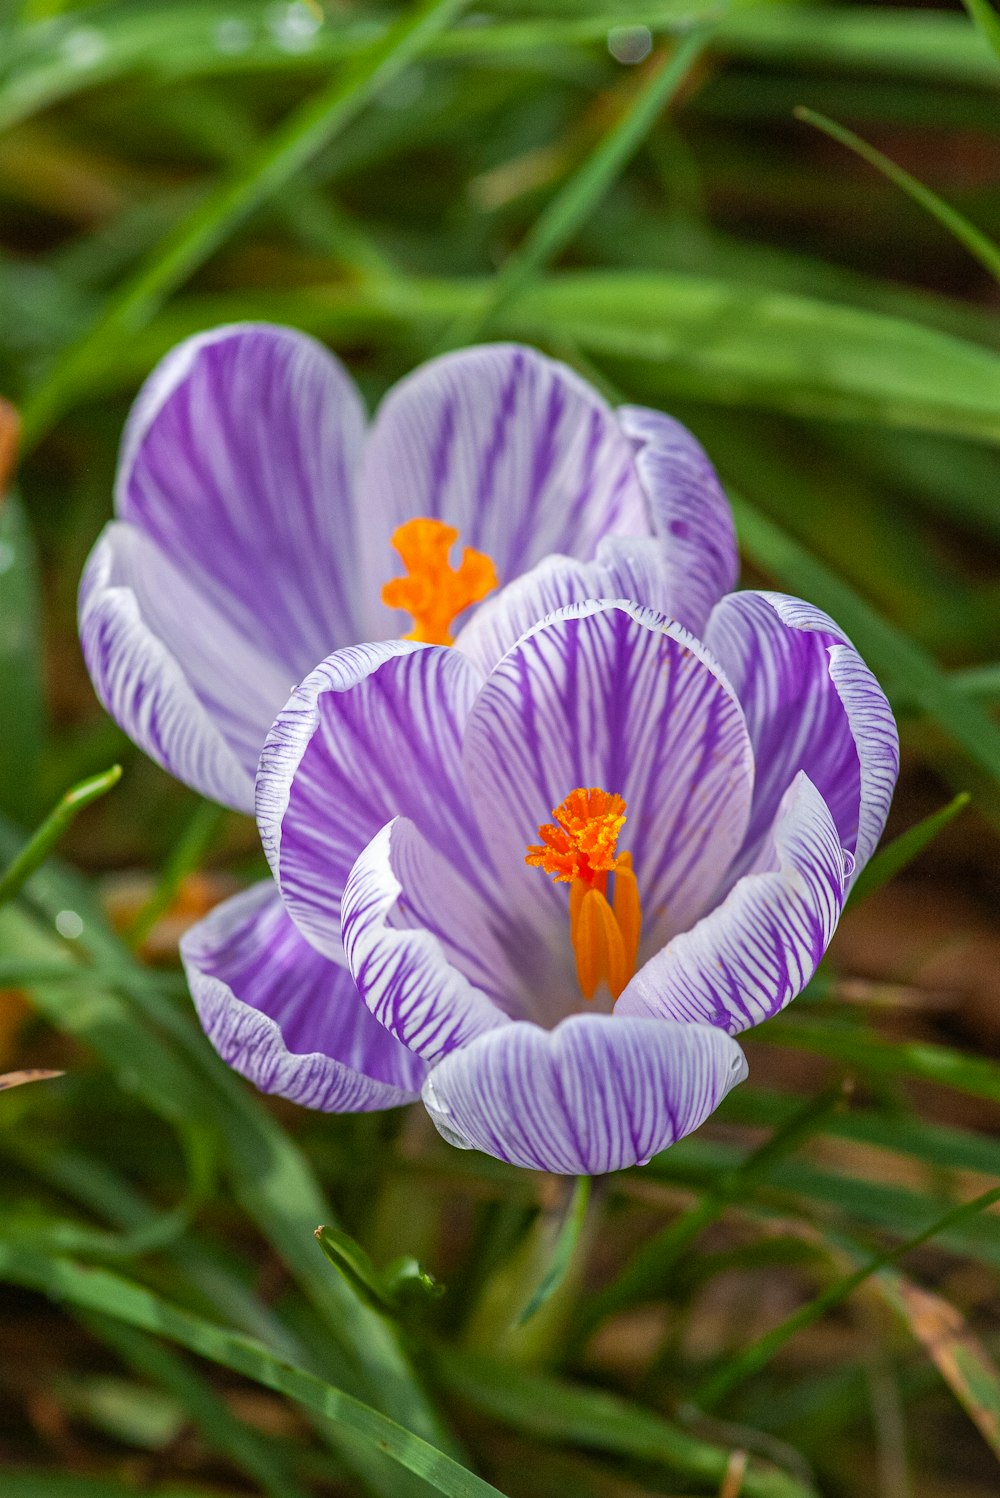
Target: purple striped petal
x: 181, y: 682
x: 512, y: 448
x: 626, y: 567
x: 811, y: 704
x: 688, y: 510
x: 372, y: 733
x: 421, y: 945
x: 615, y: 696
x: 598, y: 1093
x: 239, y: 460
x: 759, y: 948
x: 287, y: 1019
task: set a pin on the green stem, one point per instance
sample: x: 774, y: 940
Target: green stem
x: 61, y: 817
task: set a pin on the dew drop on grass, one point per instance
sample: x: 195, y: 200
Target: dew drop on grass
x: 630, y: 44
x: 69, y: 924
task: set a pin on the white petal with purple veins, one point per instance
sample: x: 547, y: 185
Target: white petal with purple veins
x: 626, y: 567
x: 421, y: 946
x: 598, y: 1093
x: 287, y: 1019
x: 239, y: 460
x: 372, y: 733
x: 811, y: 704
x: 758, y: 949
x: 512, y: 448
x: 614, y: 696
x: 688, y: 511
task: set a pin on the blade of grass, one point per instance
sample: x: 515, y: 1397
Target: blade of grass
x: 649, y: 1270
x: 109, y: 1294
x: 62, y: 816
x: 555, y: 1410
x: 750, y: 1360
x: 22, y: 710
x: 959, y: 1357
x: 987, y: 21
x: 559, y: 221
x: 292, y: 145
x: 892, y: 859
x: 978, y: 244
x: 185, y: 856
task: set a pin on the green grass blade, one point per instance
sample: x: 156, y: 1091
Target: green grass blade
x: 275, y: 162
x: 554, y: 228
x: 752, y: 1359
x: 186, y: 855
x: 22, y: 710
x: 554, y: 1410
x: 978, y: 244
x: 62, y: 816
x: 987, y: 21
x: 108, y: 1294
x: 899, y: 663
x: 892, y: 859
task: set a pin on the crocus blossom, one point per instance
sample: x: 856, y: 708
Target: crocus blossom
x: 261, y: 524
x: 565, y: 865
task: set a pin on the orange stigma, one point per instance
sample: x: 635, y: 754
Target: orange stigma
x: 579, y: 849
x: 433, y: 591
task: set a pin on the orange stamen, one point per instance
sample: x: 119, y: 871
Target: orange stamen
x: 433, y: 592
x: 579, y: 849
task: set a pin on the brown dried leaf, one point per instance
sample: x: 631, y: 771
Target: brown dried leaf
x: 18, y: 1078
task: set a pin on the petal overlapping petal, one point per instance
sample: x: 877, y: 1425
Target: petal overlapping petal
x: 625, y: 567
x: 149, y: 636
x: 287, y: 1019
x: 199, y: 727
x: 372, y: 733
x: 613, y: 695
x: 743, y: 963
x: 512, y: 448
x: 811, y: 704
x: 422, y: 946
x: 596, y: 1094
x: 688, y: 510
x: 239, y: 461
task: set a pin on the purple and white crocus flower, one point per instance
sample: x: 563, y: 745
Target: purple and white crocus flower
x: 719, y: 765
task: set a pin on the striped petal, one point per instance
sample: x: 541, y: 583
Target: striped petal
x: 811, y: 704
x: 596, y: 1094
x: 372, y: 733
x: 688, y: 510
x: 422, y: 946
x: 513, y: 449
x: 743, y: 963
x: 615, y: 696
x: 171, y: 670
x: 626, y: 567
x: 287, y: 1019
x: 238, y: 461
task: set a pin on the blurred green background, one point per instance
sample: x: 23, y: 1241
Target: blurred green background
x: 630, y: 187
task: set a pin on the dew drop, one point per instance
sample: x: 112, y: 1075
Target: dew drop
x: 630, y: 44
x: 84, y: 47
x: 69, y: 924
x: 294, y: 26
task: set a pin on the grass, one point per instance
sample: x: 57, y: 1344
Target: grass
x: 780, y: 225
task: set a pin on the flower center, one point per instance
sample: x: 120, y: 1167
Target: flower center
x: 433, y: 591
x: 579, y: 849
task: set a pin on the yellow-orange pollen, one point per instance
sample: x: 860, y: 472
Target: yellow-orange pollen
x: 579, y: 849
x: 433, y: 592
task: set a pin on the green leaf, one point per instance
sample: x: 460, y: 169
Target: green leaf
x: 21, y: 694
x: 62, y: 816
x: 350, y: 1259
x: 97, y: 1290
x: 987, y: 21
x: 296, y: 142
x: 551, y: 1409
x: 975, y: 241
x: 895, y: 856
